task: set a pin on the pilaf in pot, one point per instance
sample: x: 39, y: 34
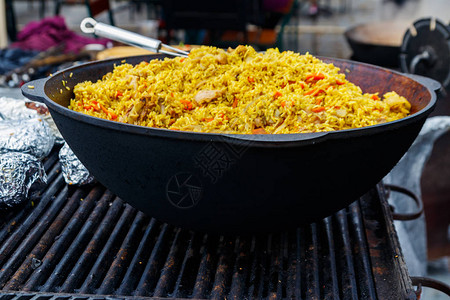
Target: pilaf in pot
x: 236, y: 91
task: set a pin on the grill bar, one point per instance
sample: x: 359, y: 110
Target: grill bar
x: 366, y: 282
x: 348, y: 283
x: 85, y: 243
x: 27, y: 221
x: 64, y: 244
x: 332, y: 291
x: 90, y: 254
x: 130, y: 281
x: 12, y: 263
x: 205, y: 269
x: 185, y: 278
x: 35, y: 259
x: 149, y: 278
x: 172, y: 265
x: 98, y: 271
x: 240, y: 270
x: 311, y: 258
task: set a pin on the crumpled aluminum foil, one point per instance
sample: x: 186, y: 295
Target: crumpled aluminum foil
x: 14, y: 109
x: 19, y: 109
x: 31, y: 136
x: 19, y: 172
x: 74, y: 172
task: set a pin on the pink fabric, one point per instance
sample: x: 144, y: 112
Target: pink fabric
x: 50, y: 32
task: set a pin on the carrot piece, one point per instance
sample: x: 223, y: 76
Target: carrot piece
x: 318, y: 101
x: 93, y: 107
x: 187, y: 104
x: 314, y: 77
x: 338, y: 82
x: 319, y: 76
x: 250, y: 79
x: 318, y: 109
x: 318, y: 93
x: 308, y: 77
x: 310, y: 92
x: 277, y: 94
x: 235, y: 102
x: 119, y: 94
x: 109, y: 113
x: 223, y: 116
x: 259, y: 131
x: 283, y: 103
x: 375, y: 97
x: 314, y: 92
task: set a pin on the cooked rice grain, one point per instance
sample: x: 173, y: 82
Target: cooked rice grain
x: 236, y: 91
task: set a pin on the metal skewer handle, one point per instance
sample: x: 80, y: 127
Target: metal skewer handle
x: 89, y: 25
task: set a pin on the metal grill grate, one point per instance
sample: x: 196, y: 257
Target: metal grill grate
x: 84, y: 243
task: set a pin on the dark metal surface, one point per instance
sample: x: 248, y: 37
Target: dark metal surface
x: 87, y: 244
x: 237, y: 183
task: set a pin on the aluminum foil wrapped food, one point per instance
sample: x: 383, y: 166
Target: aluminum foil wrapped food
x: 30, y: 136
x: 19, y: 172
x: 19, y: 109
x: 15, y: 109
x: 74, y: 172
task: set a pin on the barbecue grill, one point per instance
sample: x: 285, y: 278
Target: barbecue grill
x: 85, y: 243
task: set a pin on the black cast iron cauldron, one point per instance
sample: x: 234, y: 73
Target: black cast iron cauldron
x: 377, y: 43
x: 236, y: 183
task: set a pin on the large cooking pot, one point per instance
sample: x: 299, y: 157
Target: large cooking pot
x: 230, y: 182
x: 377, y: 42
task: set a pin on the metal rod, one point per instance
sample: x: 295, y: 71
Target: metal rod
x: 123, y: 257
x: 32, y: 238
x: 87, y: 259
x: 205, y: 269
x: 98, y: 271
x: 67, y: 234
x: 89, y: 25
x: 74, y: 249
x: 155, y: 262
x: 136, y: 267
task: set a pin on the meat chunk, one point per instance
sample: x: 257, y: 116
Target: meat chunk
x: 396, y: 102
x: 207, y: 95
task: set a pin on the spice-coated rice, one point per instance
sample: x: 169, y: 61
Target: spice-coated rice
x: 236, y: 91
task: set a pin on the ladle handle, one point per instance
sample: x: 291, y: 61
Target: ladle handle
x: 89, y: 25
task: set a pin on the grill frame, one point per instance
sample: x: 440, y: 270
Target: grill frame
x: 35, y: 251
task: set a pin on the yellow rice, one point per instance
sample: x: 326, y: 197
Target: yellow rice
x: 236, y: 91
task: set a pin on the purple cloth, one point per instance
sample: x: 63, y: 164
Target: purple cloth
x: 50, y: 32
